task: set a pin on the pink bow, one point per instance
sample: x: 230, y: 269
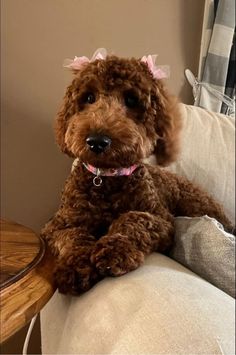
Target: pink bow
x: 78, y: 62
x: 159, y: 72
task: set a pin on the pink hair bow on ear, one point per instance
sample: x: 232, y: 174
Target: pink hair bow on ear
x: 160, y: 71
x: 78, y: 62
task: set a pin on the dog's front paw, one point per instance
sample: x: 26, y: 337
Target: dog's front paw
x: 115, y: 255
x: 75, y: 279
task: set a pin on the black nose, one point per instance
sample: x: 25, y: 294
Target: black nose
x: 98, y: 143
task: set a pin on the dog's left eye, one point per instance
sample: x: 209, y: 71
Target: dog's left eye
x: 89, y: 98
x: 131, y: 100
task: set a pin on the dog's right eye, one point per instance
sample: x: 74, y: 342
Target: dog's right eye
x: 88, y: 98
x: 131, y: 100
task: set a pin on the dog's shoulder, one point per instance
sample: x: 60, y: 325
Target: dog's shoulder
x: 166, y: 184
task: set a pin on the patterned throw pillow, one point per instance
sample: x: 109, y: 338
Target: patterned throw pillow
x: 202, y: 245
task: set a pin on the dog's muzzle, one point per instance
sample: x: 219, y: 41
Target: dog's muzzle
x: 98, y: 143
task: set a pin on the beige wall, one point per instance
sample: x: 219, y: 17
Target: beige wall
x: 36, y: 36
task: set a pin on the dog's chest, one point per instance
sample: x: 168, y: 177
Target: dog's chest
x: 109, y: 203
x: 111, y: 200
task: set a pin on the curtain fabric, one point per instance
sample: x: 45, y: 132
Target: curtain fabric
x: 231, y: 76
x: 215, y: 89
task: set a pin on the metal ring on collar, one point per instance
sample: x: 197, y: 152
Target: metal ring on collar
x: 97, y: 181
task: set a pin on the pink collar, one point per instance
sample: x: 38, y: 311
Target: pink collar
x: 108, y: 172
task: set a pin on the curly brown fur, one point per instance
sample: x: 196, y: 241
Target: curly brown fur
x: 108, y: 230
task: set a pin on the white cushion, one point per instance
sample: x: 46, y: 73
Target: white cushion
x: 208, y: 154
x: 160, y: 308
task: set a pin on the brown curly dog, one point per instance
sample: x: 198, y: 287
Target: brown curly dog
x: 115, y: 114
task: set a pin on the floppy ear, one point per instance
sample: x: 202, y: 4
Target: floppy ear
x: 168, y: 125
x: 61, y: 123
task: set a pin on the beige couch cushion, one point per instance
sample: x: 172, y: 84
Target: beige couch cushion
x: 161, y: 308
x: 208, y: 154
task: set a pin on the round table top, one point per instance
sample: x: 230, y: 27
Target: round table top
x: 26, y: 279
x: 20, y: 250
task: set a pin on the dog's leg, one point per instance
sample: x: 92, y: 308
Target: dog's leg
x: 132, y: 236
x: 72, y: 248
x: 194, y: 202
x: 69, y: 237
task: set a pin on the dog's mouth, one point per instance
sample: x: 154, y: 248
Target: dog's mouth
x: 108, y: 159
x: 110, y: 156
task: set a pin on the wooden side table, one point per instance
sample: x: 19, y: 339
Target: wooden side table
x: 26, y: 282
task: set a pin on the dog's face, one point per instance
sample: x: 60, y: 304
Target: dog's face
x: 115, y: 114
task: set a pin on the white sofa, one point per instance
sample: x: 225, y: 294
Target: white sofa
x: 163, y: 307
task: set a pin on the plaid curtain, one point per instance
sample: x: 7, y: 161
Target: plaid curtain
x: 215, y: 87
x: 231, y: 77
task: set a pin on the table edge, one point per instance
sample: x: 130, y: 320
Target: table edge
x: 38, y: 258
x: 48, y: 287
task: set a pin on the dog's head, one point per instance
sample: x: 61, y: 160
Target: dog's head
x: 115, y: 114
